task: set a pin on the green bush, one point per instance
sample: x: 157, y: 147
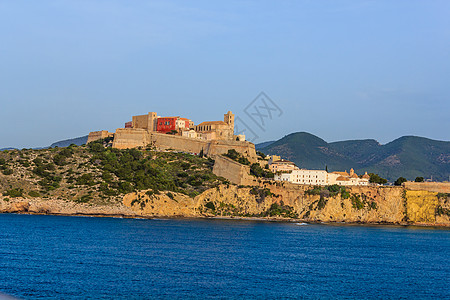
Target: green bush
x: 314, y: 191
x: 344, y: 193
x: 14, y: 193
x: 356, y: 201
x: 400, y: 180
x: 322, y: 202
x: 375, y: 178
x: 34, y: 194
x: 210, y: 205
x: 7, y: 171
x: 86, y: 179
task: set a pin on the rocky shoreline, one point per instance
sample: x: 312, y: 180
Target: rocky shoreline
x: 56, y: 207
x: 358, y: 205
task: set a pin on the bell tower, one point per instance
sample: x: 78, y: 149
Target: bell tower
x: 229, y: 119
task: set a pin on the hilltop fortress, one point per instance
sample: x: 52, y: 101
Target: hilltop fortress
x: 180, y: 134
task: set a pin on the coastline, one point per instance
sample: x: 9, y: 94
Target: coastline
x: 232, y: 218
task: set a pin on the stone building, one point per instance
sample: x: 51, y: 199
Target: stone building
x: 211, y: 138
x: 148, y: 121
x: 217, y: 130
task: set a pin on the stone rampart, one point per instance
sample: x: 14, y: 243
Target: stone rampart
x: 98, y: 135
x: 125, y: 138
x: 233, y: 171
x: 437, y: 187
x: 133, y: 137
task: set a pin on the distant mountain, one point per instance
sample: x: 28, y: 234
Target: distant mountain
x: 65, y: 143
x: 408, y: 156
x: 263, y: 145
x: 2, y: 149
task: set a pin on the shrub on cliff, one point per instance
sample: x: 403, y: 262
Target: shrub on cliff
x: 375, y: 178
x: 400, y: 180
x: 7, y: 171
x: 86, y: 179
x: 14, y: 193
x: 256, y: 170
x: 34, y: 194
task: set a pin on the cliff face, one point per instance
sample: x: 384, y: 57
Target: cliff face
x: 57, y: 206
x: 357, y: 204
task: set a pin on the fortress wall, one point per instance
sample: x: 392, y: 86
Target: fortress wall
x: 438, y: 187
x: 98, y: 135
x: 233, y: 171
x: 179, y: 143
x: 247, y: 149
x: 134, y: 137
x: 140, y: 121
x: 130, y: 138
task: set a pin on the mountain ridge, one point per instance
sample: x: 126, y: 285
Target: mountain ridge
x: 407, y: 156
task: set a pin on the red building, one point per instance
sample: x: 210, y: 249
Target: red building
x: 128, y: 124
x: 168, y: 124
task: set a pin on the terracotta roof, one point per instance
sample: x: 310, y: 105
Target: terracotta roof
x: 341, y: 173
x: 282, y: 161
x: 342, y: 178
x: 366, y: 176
x: 212, y: 123
x: 354, y: 176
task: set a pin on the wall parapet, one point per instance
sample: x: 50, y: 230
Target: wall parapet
x: 437, y: 187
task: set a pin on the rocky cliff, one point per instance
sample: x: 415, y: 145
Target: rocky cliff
x: 394, y: 205
x: 357, y: 204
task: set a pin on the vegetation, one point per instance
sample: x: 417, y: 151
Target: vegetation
x: 400, y: 180
x: 100, y: 173
x: 375, y: 178
x: 443, y: 195
x: 261, y: 193
x: 418, y: 179
x: 279, y: 210
x: 236, y: 156
x: 14, y: 193
x: 261, y: 155
x: 442, y: 211
x: 359, y: 201
x: 256, y: 170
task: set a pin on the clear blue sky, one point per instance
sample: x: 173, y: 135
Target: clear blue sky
x: 338, y: 69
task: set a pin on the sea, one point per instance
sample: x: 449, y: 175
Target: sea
x: 59, y: 257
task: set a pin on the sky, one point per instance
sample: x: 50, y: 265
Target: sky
x: 341, y: 70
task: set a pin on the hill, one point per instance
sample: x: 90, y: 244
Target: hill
x: 76, y: 141
x: 408, y: 156
x: 263, y: 145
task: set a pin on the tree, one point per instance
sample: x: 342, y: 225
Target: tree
x: 400, y: 180
x: 375, y: 178
x: 419, y: 179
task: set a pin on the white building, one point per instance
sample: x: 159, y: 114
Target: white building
x: 321, y: 177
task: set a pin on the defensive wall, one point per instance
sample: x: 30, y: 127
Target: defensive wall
x: 233, y: 171
x: 98, y: 135
x: 437, y: 187
x: 125, y: 138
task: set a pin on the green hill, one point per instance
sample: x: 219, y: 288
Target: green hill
x: 66, y: 143
x: 408, y: 156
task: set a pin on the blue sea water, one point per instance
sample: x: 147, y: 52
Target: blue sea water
x: 78, y: 257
